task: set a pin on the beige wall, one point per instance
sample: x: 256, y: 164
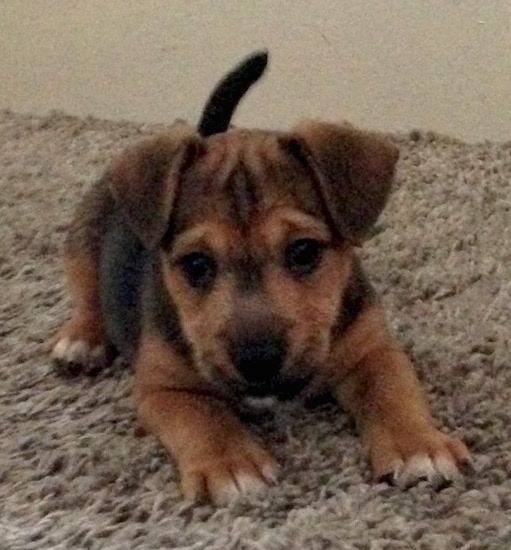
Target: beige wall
x: 387, y: 64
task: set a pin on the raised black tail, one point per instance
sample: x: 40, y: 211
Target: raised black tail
x: 222, y: 102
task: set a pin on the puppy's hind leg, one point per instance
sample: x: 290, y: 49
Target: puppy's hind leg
x: 82, y: 345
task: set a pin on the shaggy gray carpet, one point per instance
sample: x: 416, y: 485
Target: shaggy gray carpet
x: 74, y: 473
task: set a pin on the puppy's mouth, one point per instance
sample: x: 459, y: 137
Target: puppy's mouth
x: 282, y: 387
x: 285, y: 384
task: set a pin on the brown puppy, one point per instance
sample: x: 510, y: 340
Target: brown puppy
x: 224, y: 265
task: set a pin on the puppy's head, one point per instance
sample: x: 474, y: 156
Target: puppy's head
x: 255, y: 232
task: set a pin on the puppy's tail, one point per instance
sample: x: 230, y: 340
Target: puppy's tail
x: 222, y: 102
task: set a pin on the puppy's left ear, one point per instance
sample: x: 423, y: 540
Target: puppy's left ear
x: 352, y: 170
x: 145, y: 181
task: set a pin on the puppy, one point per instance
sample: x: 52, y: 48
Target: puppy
x: 222, y: 262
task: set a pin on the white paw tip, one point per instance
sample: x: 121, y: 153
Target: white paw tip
x: 79, y: 352
x: 60, y: 348
x: 270, y: 473
x: 250, y: 485
x: 446, y: 468
x: 226, y: 494
x: 418, y: 467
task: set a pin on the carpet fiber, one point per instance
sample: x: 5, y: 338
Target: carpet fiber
x: 75, y: 474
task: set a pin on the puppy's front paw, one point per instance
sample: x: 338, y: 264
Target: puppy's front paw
x: 225, y: 472
x: 404, y: 458
x: 81, y: 346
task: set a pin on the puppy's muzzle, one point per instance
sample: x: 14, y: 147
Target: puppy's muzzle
x: 258, y: 356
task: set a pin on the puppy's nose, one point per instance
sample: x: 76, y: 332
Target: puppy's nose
x: 258, y: 358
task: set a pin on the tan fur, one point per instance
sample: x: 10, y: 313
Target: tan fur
x: 213, y: 450
x: 307, y: 311
x: 243, y: 198
x: 83, y: 282
x: 85, y: 329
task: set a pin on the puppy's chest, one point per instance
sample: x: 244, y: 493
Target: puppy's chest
x: 259, y: 404
x: 267, y: 399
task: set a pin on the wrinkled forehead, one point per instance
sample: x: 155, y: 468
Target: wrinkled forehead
x: 238, y: 176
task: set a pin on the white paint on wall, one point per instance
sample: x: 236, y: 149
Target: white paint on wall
x: 443, y: 65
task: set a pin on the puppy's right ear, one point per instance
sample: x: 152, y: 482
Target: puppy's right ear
x: 145, y: 181
x: 352, y: 171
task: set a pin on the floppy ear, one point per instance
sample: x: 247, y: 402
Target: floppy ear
x: 352, y: 169
x: 145, y: 180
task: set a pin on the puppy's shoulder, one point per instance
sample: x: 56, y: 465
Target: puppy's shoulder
x: 358, y: 297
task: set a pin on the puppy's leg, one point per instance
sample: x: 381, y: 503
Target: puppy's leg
x: 380, y: 389
x: 82, y: 343
x: 216, y: 455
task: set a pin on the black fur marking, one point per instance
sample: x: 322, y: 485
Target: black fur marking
x: 133, y: 293
x: 91, y: 220
x: 358, y: 296
x: 248, y: 273
x: 298, y: 150
x: 160, y: 312
x: 224, y: 99
x: 242, y: 196
x: 123, y: 266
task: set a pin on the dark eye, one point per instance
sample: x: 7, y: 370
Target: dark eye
x: 199, y: 270
x: 303, y: 256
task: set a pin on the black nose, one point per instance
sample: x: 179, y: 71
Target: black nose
x: 258, y: 358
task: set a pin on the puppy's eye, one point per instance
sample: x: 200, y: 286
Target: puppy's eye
x: 303, y: 256
x: 199, y: 270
